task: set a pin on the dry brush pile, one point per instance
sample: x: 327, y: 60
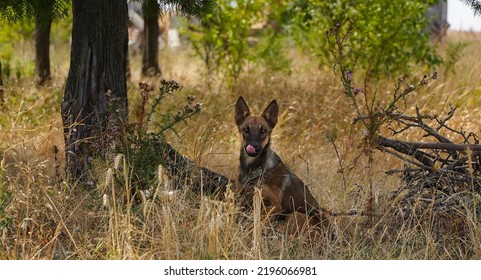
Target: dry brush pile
x: 439, y: 190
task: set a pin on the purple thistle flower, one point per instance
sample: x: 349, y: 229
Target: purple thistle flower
x: 348, y: 75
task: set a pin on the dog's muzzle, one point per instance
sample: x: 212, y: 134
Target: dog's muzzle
x: 251, y: 150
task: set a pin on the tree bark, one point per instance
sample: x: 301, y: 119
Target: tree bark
x: 437, y: 16
x: 42, y: 52
x: 150, y: 61
x: 95, y: 98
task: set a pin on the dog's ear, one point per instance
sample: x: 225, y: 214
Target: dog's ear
x: 270, y: 113
x: 241, y: 111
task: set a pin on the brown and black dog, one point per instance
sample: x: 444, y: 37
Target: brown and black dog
x: 283, y: 193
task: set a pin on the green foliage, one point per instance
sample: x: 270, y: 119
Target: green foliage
x: 5, y: 198
x: 16, y: 32
x: 10, y: 37
x: 221, y: 37
x: 190, y: 8
x: 453, y: 54
x: 62, y: 30
x: 19, y: 15
x: 42, y: 10
x: 196, y: 8
x: 373, y: 112
x: 270, y: 52
x: 388, y: 36
x: 225, y: 41
x: 150, y: 8
x: 141, y: 146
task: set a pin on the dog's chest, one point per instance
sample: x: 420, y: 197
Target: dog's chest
x: 271, y: 182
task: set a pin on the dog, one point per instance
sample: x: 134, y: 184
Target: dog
x: 283, y: 193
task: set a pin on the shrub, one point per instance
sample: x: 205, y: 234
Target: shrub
x: 225, y: 40
x: 141, y: 142
x: 388, y: 37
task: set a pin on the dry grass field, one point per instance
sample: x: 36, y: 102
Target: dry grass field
x: 43, y: 217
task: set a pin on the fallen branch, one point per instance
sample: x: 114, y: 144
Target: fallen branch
x: 407, y: 149
x: 383, y: 141
x: 182, y: 170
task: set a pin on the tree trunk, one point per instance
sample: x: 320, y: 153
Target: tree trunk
x: 42, y: 52
x: 95, y: 98
x: 437, y: 15
x: 150, y: 61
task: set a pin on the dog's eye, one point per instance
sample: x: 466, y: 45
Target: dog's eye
x: 246, y: 130
x: 263, y: 131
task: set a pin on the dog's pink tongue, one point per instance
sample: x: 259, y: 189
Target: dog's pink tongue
x: 250, y: 149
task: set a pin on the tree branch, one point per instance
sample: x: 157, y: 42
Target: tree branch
x: 182, y: 169
x: 383, y: 141
x: 407, y: 149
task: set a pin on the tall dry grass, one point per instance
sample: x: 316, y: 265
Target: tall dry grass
x: 45, y: 218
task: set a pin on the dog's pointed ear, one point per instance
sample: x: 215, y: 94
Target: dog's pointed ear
x: 241, y: 111
x: 270, y: 113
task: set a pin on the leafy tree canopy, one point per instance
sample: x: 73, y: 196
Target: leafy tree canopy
x: 388, y: 36
x: 194, y: 8
x: 41, y: 10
